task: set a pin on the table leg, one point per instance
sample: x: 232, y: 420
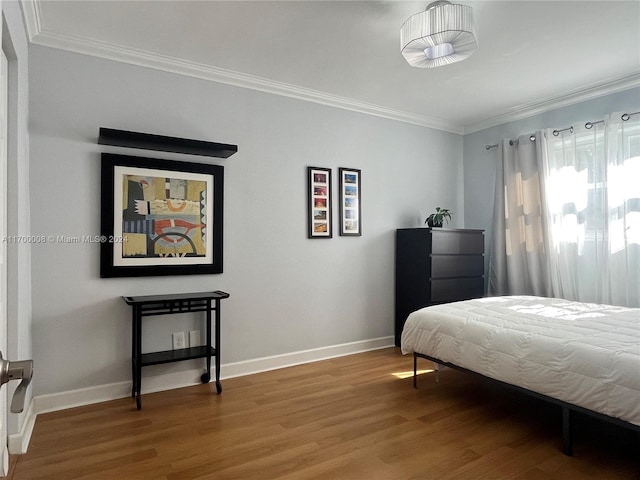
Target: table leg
x: 217, y: 327
x: 138, y: 369
x: 208, y: 336
x: 134, y: 353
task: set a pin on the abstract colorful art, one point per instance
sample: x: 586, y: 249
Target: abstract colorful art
x: 166, y: 215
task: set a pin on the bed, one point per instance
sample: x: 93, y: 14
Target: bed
x: 585, y: 357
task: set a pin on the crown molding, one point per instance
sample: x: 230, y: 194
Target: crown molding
x: 77, y: 44
x: 31, y: 15
x: 583, y: 94
x: 39, y: 36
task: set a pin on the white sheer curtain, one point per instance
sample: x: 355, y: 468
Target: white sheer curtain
x: 592, y: 200
x: 517, y: 262
x: 567, y: 214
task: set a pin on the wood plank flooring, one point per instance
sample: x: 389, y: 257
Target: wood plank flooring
x: 352, y: 417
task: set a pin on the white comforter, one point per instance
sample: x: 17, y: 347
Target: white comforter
x: 584, y: 354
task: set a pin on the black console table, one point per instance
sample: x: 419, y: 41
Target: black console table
x: 149, y: 305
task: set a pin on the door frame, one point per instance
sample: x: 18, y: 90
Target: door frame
x: 4, y: 98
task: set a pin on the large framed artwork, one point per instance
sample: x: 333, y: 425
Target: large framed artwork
x: 350, y: 205
x: 319, y: 220
x: 160, y: 217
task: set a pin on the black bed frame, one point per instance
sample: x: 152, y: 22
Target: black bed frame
x: 567, y: 408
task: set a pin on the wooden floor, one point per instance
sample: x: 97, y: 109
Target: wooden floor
x: 353, y: 417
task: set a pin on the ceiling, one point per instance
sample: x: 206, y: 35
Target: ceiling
x: 532, y: 55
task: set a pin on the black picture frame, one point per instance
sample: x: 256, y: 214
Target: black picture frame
x: 145, y: 232
x: 319, y: 212
x: 350, y: 202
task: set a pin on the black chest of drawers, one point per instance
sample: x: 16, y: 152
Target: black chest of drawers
x: 436, y: 265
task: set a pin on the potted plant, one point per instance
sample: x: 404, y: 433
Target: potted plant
x: 436, y: 219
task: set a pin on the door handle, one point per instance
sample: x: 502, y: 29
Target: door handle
x: 21, y: 370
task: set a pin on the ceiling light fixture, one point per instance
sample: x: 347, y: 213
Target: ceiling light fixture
x: 444, y: 33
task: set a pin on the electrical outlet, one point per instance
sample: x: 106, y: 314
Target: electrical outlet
x: 178, y: 340
x: 194, y: 338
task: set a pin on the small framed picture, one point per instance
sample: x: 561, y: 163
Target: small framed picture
x: 319, y: 202
x: 350, y: 207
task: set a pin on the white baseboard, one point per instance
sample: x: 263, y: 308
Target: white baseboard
x: 264, y: 364
x: 19, y: 442
x: 169, y: 381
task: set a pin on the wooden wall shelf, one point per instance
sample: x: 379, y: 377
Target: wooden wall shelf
x: 148, y: 141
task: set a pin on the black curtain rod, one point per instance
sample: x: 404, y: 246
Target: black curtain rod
x: 511, y: 142
x: 624, y: 117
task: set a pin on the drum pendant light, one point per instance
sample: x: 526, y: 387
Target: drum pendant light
x: 444, y: 33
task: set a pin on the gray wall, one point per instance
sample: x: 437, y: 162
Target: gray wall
x: 288, y: 293
x: 15, y: 46
x: 480, y: 164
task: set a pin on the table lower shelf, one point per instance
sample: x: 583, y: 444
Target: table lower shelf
x: 168, y: 356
